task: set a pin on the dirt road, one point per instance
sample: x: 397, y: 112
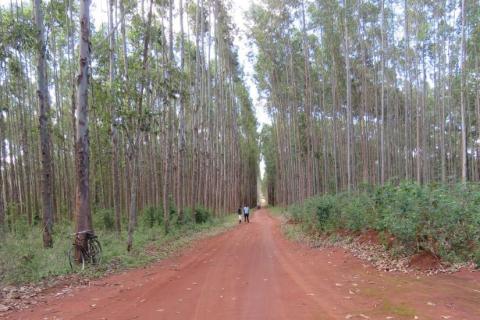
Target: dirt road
x: 252, y: 272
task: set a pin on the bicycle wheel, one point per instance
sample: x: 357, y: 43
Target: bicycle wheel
x: 95, y: 251
x: 76, y: 265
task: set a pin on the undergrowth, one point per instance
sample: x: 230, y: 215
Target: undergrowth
x: 409, y: 218
x: 23, y: 258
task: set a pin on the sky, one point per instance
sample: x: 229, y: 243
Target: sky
x: 239, y: 8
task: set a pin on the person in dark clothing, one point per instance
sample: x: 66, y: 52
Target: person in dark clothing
x: 239, y: 212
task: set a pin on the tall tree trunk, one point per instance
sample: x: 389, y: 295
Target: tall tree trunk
x: 477, y: 109
x: 349, y: 103
x: 135, y: 144
x: 310, y: 178
x: 45, y: 139
x: 462, y: 97
x: 2, y: 169
x: 382, y: 96
x: 169, y: 128
x: 181, y: 186
x: 114, y: 133
x: 82, y: 207
x: 407, y: 94
x: 443, y: 168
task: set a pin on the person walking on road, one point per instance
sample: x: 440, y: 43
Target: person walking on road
x: 246, y: 213
x: 239, y: 212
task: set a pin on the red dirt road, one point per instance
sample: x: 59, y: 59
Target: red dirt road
x: 252, y: 272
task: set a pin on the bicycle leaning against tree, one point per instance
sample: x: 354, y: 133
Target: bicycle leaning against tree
x: 83, y: 251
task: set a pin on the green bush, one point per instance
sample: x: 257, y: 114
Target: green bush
x: 172, y: 210
x: 202, y: 214
x: 324, y: 209
x: 403, y: 214
x: 188, y: 216
x: 152, y: 216
x: 441, y: 219
x: 108, y: 218
x: 357, y: 212
x: 476, y: 258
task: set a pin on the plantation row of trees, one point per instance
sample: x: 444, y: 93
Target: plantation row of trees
x: 149, y: 109
x: 366, y: 91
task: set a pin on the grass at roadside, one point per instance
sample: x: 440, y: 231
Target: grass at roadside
x: 277, y: 211
x: 23, y: 259
x: 292, y: 231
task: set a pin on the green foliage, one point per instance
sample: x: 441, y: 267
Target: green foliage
x: 152, y: 216
x: 357, y: 214
x: 202, y: 215
x: 442, y: 220
x: 104, y: 219
x: 188, y: 216
x: 172, y: 210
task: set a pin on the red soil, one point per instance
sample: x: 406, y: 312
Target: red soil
x: 424, y: 261
x: 370, y: 237
x: 253, y: 272
x: 373, y: 237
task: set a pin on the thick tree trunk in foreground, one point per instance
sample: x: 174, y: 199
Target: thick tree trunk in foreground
x: 82, y: 205
x: 45, y: 140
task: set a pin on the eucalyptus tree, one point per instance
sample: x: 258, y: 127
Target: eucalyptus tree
x: 2, y: 199
x: 82, y: 207
x: 382, y: 93
x: 349, y: 101
x: 463, y: 120
x: 114, y: 131
x: 136, y: 139
x: 44, y: 114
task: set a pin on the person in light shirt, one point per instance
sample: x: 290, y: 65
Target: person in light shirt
x: 246, y: 213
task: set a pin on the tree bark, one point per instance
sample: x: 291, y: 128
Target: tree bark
x: 135, y: 144
x: 45, y: 139
x: 349, y: 103
x: 382, y: 97
x: 462, y: 98
x: 2, y: 169
x: 82, y: 207
x: 114, y: 133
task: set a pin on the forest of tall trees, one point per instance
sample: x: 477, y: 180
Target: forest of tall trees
x: 362, y: 92
x: 147, y: 109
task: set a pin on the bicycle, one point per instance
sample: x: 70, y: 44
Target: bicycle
x: 91, y: 254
